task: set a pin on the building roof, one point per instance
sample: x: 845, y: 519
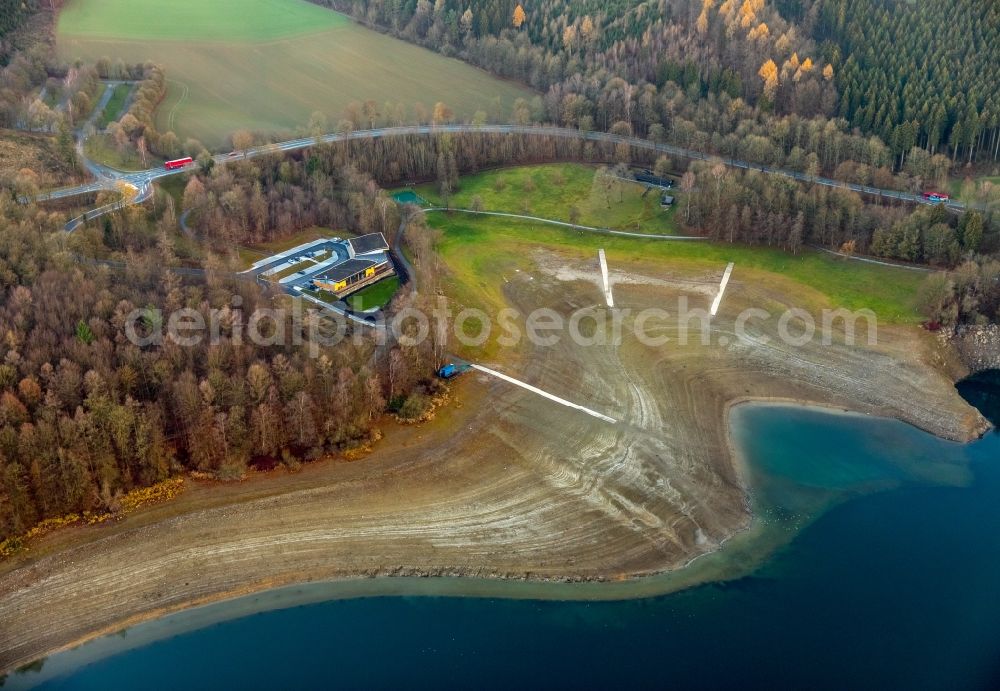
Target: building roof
x: 666, y: 199
x: 373, y: 242
x: 345, y: 270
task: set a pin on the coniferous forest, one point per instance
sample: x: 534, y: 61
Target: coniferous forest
x: 918, y: 74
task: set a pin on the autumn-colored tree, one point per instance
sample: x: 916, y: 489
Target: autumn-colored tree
x: 688, y: 181
x: 318, y: 124
x: 143, y: 151
x: 769, y: 73
x: 569, y: 37
x: 370, y: 110
x: 759, y: 33
x: 519, y: 16
x: 466, y: 21
x: 242, y: 140
x: 702, y: 22
x: 442, y: 113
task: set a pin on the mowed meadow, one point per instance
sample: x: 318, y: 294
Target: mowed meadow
x: 268, y: 65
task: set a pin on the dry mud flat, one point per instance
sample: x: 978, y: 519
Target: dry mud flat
x: 509, y: 485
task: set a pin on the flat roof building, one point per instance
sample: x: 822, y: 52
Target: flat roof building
x: 355, y: 273
x: 366, y: 244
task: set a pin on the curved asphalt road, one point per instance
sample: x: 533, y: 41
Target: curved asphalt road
x: 141, y: 178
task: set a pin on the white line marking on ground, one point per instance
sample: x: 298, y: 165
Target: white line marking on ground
x: 607, y: 282
x: 722, y: 288
x: 545, y: 394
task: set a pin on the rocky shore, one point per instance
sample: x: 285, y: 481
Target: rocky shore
x: 977, y: 346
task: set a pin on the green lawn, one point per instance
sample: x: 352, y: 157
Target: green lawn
x: 224, y: 20
x: 481, y: 251
x: 113, y: 110
x: 268, y: 65
x: 102, y: 149
x: 373, y: 296
x: 174, y: 186
x: 550, y: 191
x: 955, y: 184
x: 52, y: 96
x: 323, y: 295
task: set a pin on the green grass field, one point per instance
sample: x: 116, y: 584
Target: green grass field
x: 480, y: 251
x: 218, y: 20
x: 376, y: 295
x: 102, y: 149
x: 174, y: 186
x: 550, y: 191
x: 267, y: 65
x: 955, y: 184
x: 113, y: 110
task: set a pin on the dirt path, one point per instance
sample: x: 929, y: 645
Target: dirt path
x: 505, y: 483
x: 566, y: 224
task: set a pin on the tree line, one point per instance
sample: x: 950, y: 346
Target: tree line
x: 968, y: 295
x: 723, y: 75
x: 758, y: 209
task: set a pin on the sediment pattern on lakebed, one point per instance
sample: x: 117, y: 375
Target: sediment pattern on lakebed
x: 504, y: 483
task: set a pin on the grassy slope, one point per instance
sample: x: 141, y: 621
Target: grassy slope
x: 554, y: 189
x: 101, y: 148
x: 955, y: 184
x: 226, y: 20
x: 481, y: 252
x: 114, y: 107
x: 375, y: 295
x: 270, y: 71
x: 174, y: 186
x: 34, y: 151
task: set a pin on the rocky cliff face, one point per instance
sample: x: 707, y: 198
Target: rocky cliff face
x: 978, y: 346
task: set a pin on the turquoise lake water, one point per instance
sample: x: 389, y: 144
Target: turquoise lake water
x: 886, y: 575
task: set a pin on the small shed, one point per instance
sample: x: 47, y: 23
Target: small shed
x: 666, y: 201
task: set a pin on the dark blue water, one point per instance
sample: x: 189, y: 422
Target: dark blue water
x: 895, y: 584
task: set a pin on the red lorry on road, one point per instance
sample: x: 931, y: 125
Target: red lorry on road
x: 178, y: 163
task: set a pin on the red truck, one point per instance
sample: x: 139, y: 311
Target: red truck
x: 178, y: 163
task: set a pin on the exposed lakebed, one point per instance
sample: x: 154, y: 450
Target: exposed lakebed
x: 884, y: 546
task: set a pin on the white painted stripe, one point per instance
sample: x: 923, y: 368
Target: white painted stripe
x: 607, y: 282
x: 722, y: 288
x: 545, y: 394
